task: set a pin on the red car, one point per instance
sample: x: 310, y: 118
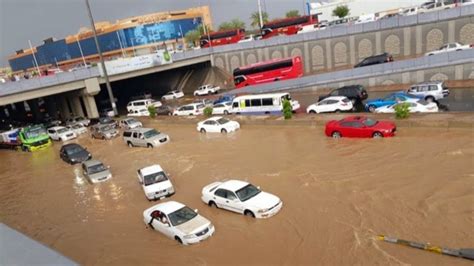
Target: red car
x: 360, y: 127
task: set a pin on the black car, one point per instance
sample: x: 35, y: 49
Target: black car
x: 74, y: 153
x: 375, y: 59
x: 164, y: 110
x: 355, y: 93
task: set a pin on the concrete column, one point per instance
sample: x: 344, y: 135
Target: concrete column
x: 242, y: 59
x: 91, y: 107
x: 352, y: 49
x: 51, y: 107
x: 328, y: 54
x: 64, y: 111
x: 226, y: 63
x: 260, y: 55
x: 378, y: 42
x: 285, y: 51
x: 20, y: 111
x: 407, y: 41
x: 458, y: 72
x: 307, y: 56
x: 451, y: 30
x: 406, y: 77
x: 75, y: 102
x: 35, y: 110
x: 419, y: 39
x: 266, y: 54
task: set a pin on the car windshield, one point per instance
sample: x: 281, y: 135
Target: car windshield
x: 62, y: 130
x: 151, y: 133
x: 181, y: 216
x: 222, y: 121
x: 247, y: 192
x: 105, y: 128
x: 96, y: 168
x: 74, y: 149
x: 369, y: 122
x: 154, y: 178
x: 105, y: 120
x: 131, y: 121
x: 36, y: 132
x: 76, y: 126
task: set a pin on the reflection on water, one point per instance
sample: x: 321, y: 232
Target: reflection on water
x: 337, y: 195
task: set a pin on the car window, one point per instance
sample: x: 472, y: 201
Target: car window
x: 235, y: 105
x: 433, y: 87
x: 51, y: 131
x: 332, y: 101
x: 335, y: 93
x: 390, y: 98
x: 218, y: 105
x: 230, y: 195
x: 221, y: 193
x: 323, y: 102
x: 210, y: 122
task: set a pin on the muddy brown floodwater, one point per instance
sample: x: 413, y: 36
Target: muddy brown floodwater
x: 337, y: 194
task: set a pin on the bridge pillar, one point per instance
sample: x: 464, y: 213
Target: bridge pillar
x: 64, y: 111
x: 51, y: 107
x: 92, y: 89
x: 91, y: 107
x: 75, y: 102
x: 35, y: 110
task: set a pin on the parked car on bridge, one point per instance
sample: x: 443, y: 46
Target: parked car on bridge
x: 375, y: 59
x: 190, y: 109
x: 103, y: 132
x: 74, y: 153
x: 217, y: 124
x: 310, y: 28
x: 241, y: 197
x: 413, y: 107
x: 155, y: 182
x: 179, y: 222
x: 222, y: 108
x: 171, y: 95
x: 96, y: 171
x: 206, y: 90
x: 450, y: 47
x: 144, y: 137
x: 359, y: 127
x: 61, y: 133
x: 142, y: 104
x: 430, y: 91
x: 331, y: 104
x: 355, y: 93
x: 130, y: 123
x: 390, y: 99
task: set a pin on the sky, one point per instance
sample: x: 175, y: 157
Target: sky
x: 36, y: 20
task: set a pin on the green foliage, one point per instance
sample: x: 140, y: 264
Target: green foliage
x: 341, y: 11
x: 152, y: 111
x: 255, y: 18
x: 192, y: 36
x: 292, y: 13
x: 231, y: 25
x: 402, y: 111
x: 287, y: 109
x: 208, y: 111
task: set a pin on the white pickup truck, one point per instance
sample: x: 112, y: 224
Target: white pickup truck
x: 155, y: 182
x: 450, y: 47
x: 207, y: 89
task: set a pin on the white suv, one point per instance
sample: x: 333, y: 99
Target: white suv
x: 190, y: 109
x: 206, y: 89
x: 431, y: 91
x: 61, y: 133
x: 155, y: 182
x: 141, y: 104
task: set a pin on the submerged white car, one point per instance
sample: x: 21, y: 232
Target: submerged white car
x: 179, y: 222
x: 141, y: 112
x: 155, y: 182
x: 331, y: 104
x: 61, y: 133
x: 413, y: 107
x: 217, y: 124
x: 173, y: 95
x: 78, y: 128
x: 241, y: 197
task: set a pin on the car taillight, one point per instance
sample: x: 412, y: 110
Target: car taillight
x: 343, y: 104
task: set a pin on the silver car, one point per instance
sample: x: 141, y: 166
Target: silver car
x: 130, y: 123
x: 144, y: 137
x: 96, y: 171
x: 103, y: 132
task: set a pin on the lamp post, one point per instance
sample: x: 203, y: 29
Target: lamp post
x: 101, y: 58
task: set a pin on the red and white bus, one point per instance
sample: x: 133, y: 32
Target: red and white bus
x: 288, y: 26
x: 222, y: 37
x: 269, y: 71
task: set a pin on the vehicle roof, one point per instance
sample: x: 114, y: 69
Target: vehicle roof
x: 428, y: 83
x: 266, y: 62
x: 151, y: 169
x: 91, y: 162
x: 233, y: 185
x: 140, y: 100
x: 253, y: 96
x: 56, y: 127
x: 141, y: 129
x: 70, y: 145
x: 214, y: 118
x: 167, y: 207
x: 354, y: 118
x: 130, y: 118
x: 335, y: 98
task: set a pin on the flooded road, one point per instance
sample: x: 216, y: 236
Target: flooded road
x: 337, y: 194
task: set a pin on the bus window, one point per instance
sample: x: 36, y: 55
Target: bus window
x: 256, y: 102
x: 267, y: 102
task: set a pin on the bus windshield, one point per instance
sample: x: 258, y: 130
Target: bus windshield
x: 35, y: 132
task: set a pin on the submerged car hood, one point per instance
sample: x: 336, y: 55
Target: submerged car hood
x: 194, y: 225
x: 157, y: 186
x: 263, y: 200
x: 100, y: 175
x: 384, y: 125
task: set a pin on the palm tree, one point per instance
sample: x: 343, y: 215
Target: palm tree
x: 193, y: 37
x: 255, y: 18
x: 292, y: 13
x: 233, y: 24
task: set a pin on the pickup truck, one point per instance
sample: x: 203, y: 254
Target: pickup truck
x: 450, y: 47
x: 206, y: 90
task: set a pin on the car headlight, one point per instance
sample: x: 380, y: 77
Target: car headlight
x: 189, y: 236
x: 262, y: 210
x: 73, y: 160
x: 109, y: 175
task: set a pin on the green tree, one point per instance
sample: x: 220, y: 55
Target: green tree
x: 152, y: 111
x: 233, y: 24
x: 341, y: 11
x: 287, y: 109
x: 402, y: 110
x: 192, y: 37
x: 255, y: 18
x: 292, y: 13
x: 208, y: 111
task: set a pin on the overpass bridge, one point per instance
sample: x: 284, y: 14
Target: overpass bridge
x: 330, y: 52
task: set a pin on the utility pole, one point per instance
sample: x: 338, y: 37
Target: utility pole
x: 260, y: 14
x: 34, y: 57
x: 80, y: 50
x: 104, y: 69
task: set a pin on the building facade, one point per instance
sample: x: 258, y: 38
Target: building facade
x: 127, y: 36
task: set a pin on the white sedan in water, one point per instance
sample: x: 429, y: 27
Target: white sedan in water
x: 330, y: 104
x: 241, y: 197
x: 413, y: 107
x: 173, y: 95
x: 217, y: 124
x: 178, y: 222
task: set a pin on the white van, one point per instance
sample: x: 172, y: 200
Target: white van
x: 271, y: 103
x: 141, y: 104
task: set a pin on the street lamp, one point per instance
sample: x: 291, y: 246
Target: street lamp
x: 101, y: 58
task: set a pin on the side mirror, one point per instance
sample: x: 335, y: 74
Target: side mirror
x: 196, y: 210
x: 168, y: 174
x: 258, y: 187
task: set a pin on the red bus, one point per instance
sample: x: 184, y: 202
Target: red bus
x: 269, y: 71
x: 222, y: 37
x: 288, y: 26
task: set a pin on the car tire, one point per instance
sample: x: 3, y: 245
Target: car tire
x: 249, y: 213
x: 336, y: 135
x: 312, y: 112
x: 377, y: 135
x: 149, y: 146
x: 202, y: 130
x: 337, y: 111
x: 371, y: 108
x: 430, y: 99
x: 169, y: 113
x: 223, y: 131
x: 103, y: 137
x: 226, y: 112
x: 129, y: 143
x: 212, y: 204
x: 179, y: 240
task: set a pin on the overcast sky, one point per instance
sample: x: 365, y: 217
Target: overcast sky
x: 36, y: 20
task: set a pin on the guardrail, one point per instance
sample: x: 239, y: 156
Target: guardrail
x: 411, y: 65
